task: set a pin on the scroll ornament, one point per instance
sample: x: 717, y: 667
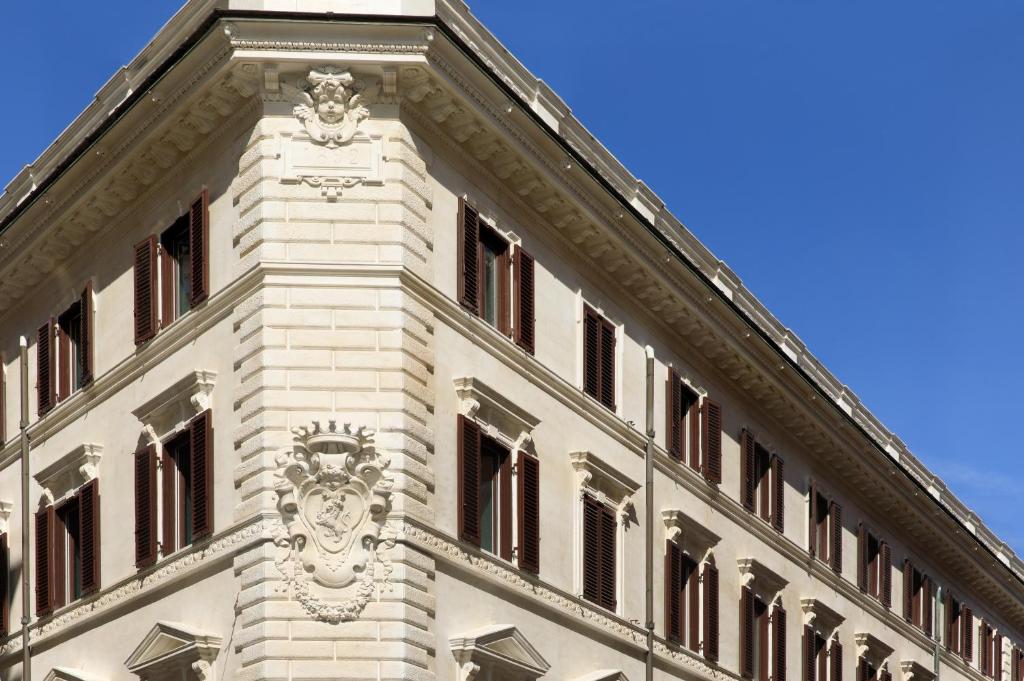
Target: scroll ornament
x: 334, y: 495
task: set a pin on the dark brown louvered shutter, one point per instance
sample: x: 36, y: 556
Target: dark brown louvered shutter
x: 967, y: 625
x: 607, y: 544
x: 591, y: 352
x: 172, y: 517
x: 673, y: 592
x: 779, y: 492
x: 812, y: 520
x: 522, y: 280
x: 145, y: 506
x: 862, y: 558
x: 835, y: 537
x: 44, y: 563
x: 469, y: 480
x: 89, y: 535
x: 747, y: 634
x: 5, y: 586
x: 85, y: 345
x: 607, y: 364
x: 711, y: 437
x: 201, y: 453
x: 469, y: 264
x: 46, y: 383
x: 885, y: 676
x: 673, y: 415
x: 810, y: 663
x: 710, y: 612
x: 779, y: 638
x: 836, y: 658
x: 199, y: 248
x: 886, y: 581
x: 908, y: 590
x: 862, y: 670
x: 929, y: 598
x: 145, y: 290
x: 747, y: 469
x: 528, y: 469
x: 997, y: 658
x: 591, y: 548
x: 948, y: 610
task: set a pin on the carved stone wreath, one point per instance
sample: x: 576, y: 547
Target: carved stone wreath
x: 334, y: 493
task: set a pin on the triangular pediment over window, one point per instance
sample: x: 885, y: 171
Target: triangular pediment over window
x: 502, y: 650
x: 175, y: 651
x: 69, y: 674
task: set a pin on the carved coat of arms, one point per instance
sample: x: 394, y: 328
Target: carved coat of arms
x: 330, y: 102
x: 333, y: 495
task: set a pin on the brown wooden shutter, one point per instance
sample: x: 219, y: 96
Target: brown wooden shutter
x: 201, y: 453
x: 711, y: 437
x: 608, y: 528
x: 779, y: 638
x: 85, y: 346
x: 747, y: 466
x: 836, y: 658
x: 835, y: 538
x: 145, y: 506
x: 199, y: 248
x: 997, y: 658
x: 607, y: 364
x: 44, y: 562
x: 591, y: 351
x: 812, y: 521
x: 89, y: 535
x: 46, y: 375
x: 779, y: 492
x: 145, y: 290
x: 862, y: 670
x: 908, y: 590
x: 862, y: 558
x: 711, y: 612
x: 886, y: 585
x: 469, y: 263
x: 673, y: 414
x: 528, y: 468
x: 885, y: 676
x: 5, y: 586
x: 591, y: 548
x: 967, y: 625
x: 695, y: 428
x: 522, y: 280
x: 810, y: 663
x: 673, y: 592
x: 469, y: 480
x: 929, y: 598
x: 747, y: 634
x: 58, y: 555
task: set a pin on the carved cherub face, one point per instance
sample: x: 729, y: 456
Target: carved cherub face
x: 331, y: 98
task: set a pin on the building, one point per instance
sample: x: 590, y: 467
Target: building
x: 338, y: 340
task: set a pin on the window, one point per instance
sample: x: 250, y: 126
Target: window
x: 186, y: 491
x: 599, y: 552
x: 693, y: 431
x: 990, y: 651
x: 486, y: 503
x: 598, y: 357
x: 64, y: 353
x: 67, y: 549
x: 867, y: 671
x: 954, y: 630
x: 486, y: 286
x: 918, y: 594
x: 171, y: 272
x: 1016, y: 664
x: 826, y: 529
x: 823, y: 661
x: 762, y: 638
x: 686, y: 602
x: 874, y: 566
x: 762, y: 477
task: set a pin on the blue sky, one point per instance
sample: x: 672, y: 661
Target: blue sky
x: 859, y: 165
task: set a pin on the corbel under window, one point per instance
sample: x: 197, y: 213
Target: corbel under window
x: 175, y: 652
x: 497, y: 652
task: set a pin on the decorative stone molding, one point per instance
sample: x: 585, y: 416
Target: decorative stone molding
x: 501, y: 418
x: 688, y: 533
x: 69, y: 472
x: 501, y: 651
x: 177, y: 405
x: 175, y: 652
x: 758, y: 577
x: 5, y: 514
x: 603, y: 675
x: 871, y: 648
x: 604, y: 482
x: 818, y: 615
x: 334, y: 494
x: 69, y: 674
x: 915, y: 671
x: 330, y: 103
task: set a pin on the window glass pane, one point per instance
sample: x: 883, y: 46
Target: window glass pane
x: 488, y: 469
x: 183, y: 265
x: 185, y: 468
x: 490, y: 284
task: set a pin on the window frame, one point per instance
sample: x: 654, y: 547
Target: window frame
x: 605, y: 329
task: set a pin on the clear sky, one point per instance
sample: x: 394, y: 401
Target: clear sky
x: 859, y: 165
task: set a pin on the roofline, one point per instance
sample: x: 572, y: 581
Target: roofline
x: 440, y: 24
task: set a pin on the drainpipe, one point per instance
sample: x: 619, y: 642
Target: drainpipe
x: 26, y: 654
x: 649, y: 513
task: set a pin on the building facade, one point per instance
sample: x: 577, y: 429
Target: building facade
x: 340, y: 328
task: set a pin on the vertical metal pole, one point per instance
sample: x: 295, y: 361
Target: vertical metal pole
x: 26, y: 653
x: 649, y: 516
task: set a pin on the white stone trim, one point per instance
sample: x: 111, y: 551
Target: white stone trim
x: 915, y: 671
x: 871, y: 648
x: 69, y: 472
x: 174, y: 652
x: 818, y: 615
x: 69, y: 674
x: 691, y: 536
x: 5, y: 514
x: 500, y: 650
x: 760, y: 578
x: 502, y: 419
x: 170, y: 410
